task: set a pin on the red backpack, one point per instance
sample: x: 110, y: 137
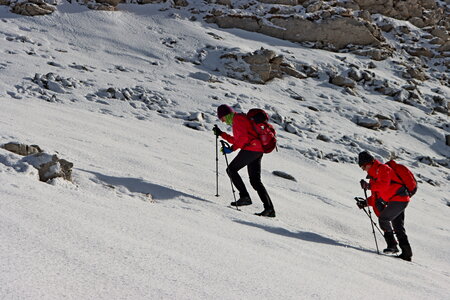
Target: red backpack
x: 266, y: 133
x: 406, y: 176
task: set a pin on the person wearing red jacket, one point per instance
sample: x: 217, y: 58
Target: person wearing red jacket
x: 389, y: 200
x: 245, y: 138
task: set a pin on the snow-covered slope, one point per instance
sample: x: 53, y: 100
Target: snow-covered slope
x: 104, y: 237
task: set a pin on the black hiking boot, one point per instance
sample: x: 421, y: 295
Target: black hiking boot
x: 406, y: 248
x: 268, y: 212
x: 391, y: 243
x: 242, y: 202
x: 405, y: 257
x: 391, y: 250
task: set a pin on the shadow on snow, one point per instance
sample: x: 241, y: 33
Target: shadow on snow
x: 303, y: 235
x: 136, y: 185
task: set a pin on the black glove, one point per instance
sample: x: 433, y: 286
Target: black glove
x: 361, y: 202
x: 217, y: 131
x: 364, y: 184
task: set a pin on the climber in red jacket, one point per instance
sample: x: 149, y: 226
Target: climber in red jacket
x: 389, y: 200
x: 245, y: 138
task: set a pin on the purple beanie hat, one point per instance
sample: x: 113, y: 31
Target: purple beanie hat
x: 224, y: 110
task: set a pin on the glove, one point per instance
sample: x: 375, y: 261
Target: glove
x: 217, y: 131
x: 226, y: 150
x: 364, y: 184
x: 361, y: 202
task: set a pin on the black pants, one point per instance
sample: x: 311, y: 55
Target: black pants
x: 252, y: 160
x: 392, y: 218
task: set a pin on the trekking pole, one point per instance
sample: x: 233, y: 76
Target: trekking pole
x: 375, y: 224
x: 225, y: 144
x: 371, y: 221
x: 217, y: 163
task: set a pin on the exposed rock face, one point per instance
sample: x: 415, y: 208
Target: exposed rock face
x: 33, y: 8
x: 49, y: 166
x: 419, y: 12
x: 338, y: 32
x: 260, y: 66
x: 22, y: 149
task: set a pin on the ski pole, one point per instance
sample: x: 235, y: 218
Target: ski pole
x: 225, y: 144
x: 375, y: 224
x: 217, y: 163
x: 371, y: 221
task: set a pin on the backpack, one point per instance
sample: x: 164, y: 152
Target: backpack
x: 265, y: 131
x: 406, y: 176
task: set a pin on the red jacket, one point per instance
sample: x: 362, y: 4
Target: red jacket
x: 381, y: 185
x: 244, y: 135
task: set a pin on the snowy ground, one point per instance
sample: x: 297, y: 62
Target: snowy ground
x: 104, y: 238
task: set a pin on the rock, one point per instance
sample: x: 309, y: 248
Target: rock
x: 415, y: 73
x: 180, y: 3
x: 338, y: 31
x: 422, y: 51
x: 22, y: 149
x: 445, y: 47
x: 313, y: 7
x: 55, y: 87
x: 196, y: 116
x: 418, y: 22
x: 201, y: 76
x: 323, y: 138
x: 355, y: 74
x: 56, y: 168
x: 109, y: 2
x: 440, y: 32
x: 447, y: 139
x: 32, y: 8
x: 50, y: 166
x: 194, y: 125
x: 289, y: 127
x: 402, y: 96
x: 284, y: 175
x: 368, y: 122
x: 343, y: 81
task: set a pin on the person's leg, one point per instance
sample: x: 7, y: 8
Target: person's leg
x: 390, y: 213
x: 399, y: 229
x: 254, y: 172
x: 242, y: 159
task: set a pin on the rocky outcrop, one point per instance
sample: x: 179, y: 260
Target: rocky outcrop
x: 22, y: 149
x: 260, y: 66
x: 339, y: 32
x: 32, y: 8
x: 421, y: 13
x: 49, y: 166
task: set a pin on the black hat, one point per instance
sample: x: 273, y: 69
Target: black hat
x: 365, y: 158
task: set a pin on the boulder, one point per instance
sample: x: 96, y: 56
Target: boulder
x: 33, y: 8
x: 447, y: 139
x: 22, y: 149
x: 368, y: 122
x: 284, y: 175
x: 55, y: 168
x: 342, y: 81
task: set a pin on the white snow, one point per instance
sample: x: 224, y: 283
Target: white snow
x: 141, y: 220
